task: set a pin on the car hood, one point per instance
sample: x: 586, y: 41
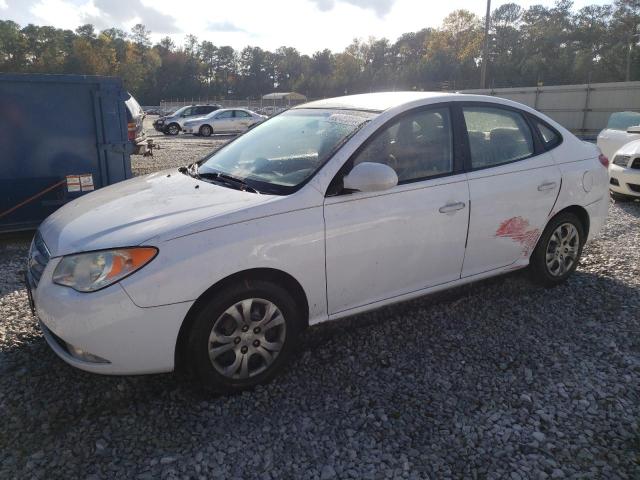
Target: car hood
x: 134, y: 211
x: 630, y: 148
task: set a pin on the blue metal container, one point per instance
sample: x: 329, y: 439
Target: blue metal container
x: 61, y: 136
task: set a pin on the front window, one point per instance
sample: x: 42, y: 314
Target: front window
x: 282, y: 153
x: 417, y: 146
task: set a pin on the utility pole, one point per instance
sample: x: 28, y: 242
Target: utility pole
x: 485, y: 47
x: 632, y: 41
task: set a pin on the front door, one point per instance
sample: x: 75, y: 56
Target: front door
x: 381, y: 245
x: 513, y: 186
x: 223, y: 122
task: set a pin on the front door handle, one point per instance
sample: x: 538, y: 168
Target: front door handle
x: 547, y: 186
x: 452, y: 207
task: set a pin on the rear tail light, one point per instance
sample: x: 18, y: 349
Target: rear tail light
x: 131, y: 131
x: 603, y: 160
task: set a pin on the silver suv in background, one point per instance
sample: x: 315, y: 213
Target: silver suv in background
x: 173, y: 123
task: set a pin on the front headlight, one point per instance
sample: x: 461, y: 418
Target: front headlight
x: 88, y: 272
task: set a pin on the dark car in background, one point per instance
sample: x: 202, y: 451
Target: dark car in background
x: 173, y: 123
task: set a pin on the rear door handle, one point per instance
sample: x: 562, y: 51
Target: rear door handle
x: 547, y: 186
x: 452, y: 207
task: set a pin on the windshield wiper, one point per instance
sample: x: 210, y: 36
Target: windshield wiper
x: 227, y: 179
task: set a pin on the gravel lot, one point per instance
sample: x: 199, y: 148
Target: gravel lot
x: 174, y: 151
x: 500, y: 379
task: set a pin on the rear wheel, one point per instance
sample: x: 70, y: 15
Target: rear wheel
x: 558, y: 251
x: 206, y: 131
x: 244, y: 336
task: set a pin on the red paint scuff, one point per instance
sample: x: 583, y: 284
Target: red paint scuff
x: 517, y: 229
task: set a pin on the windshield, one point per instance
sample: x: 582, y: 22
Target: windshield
x: 623, y: 120
x: 178, y: 112
x: 280, y: 154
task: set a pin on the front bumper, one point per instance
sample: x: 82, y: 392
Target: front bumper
x: 109, y: 325
x: 628, y: 180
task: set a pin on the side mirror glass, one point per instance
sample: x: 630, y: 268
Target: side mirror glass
x: 370, y: 177
x: 634, y: 129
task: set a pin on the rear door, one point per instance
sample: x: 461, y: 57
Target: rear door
x: 243, y: 120
x: 513, y: 184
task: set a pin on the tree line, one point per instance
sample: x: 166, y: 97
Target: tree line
x: 555, y: 45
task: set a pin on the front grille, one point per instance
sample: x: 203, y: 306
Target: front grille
x: 621, y: 160
x: 38, y: 258
x: 636, y: 163
x: 635, y: 188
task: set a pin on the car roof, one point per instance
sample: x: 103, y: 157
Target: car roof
x: 376, y: 102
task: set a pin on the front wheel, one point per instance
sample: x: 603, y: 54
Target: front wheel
x: 244, y: 336
x: 173, y: 129
x: 206, y: 131
x: 558, y: 251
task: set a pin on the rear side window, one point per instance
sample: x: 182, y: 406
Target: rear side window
x: 550, y: 137
x: 241, y: 113
x: 497, y: 136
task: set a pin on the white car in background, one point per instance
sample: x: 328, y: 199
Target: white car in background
x: 620, y: 143
x: 622, y: 128
x: 624, y: 172
x: 226, y: 120
x: 329, y: 209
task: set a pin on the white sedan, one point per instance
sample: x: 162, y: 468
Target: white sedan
x: 226, y: 120
x: 622, y: 128
x: 624, y: 172
x: 329, y: 209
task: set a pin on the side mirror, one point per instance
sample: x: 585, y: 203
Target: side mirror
x: 370, y: 177
x: 634, y: 129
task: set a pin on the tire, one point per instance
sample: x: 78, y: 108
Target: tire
x: 172, y: 129
x: 243, y: 353
x: 558, y: 251
x: 621, y: 197
x: 206, y: 131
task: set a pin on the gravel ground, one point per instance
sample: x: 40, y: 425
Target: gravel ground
x: 174, y: 151
x: 500, y: 379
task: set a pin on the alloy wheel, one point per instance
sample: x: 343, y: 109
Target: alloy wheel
x: 562, y: 249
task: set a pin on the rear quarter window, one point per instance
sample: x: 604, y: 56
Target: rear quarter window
x: 550, y: 137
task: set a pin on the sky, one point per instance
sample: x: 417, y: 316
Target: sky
x: 308, y: 25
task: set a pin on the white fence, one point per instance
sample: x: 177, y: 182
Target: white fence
x: 583, y: 109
